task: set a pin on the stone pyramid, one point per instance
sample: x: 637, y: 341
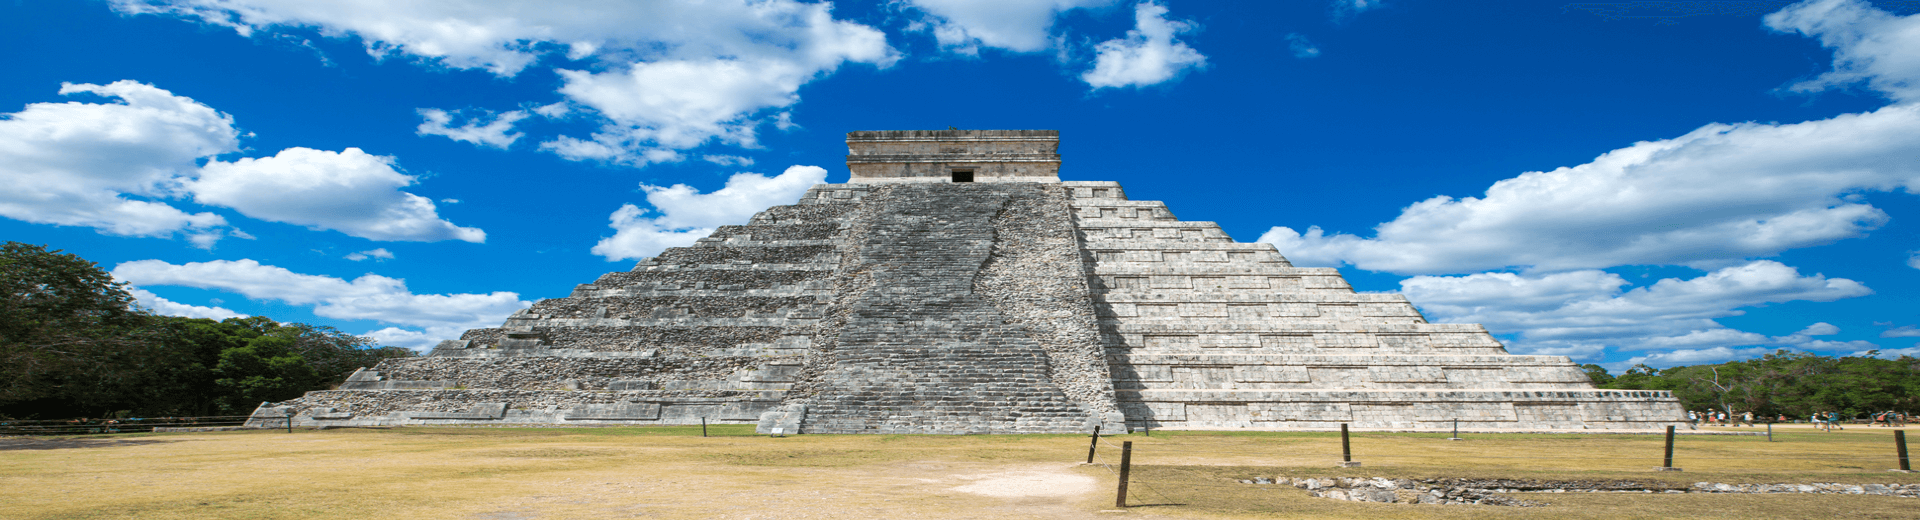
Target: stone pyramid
x: 956, y: 285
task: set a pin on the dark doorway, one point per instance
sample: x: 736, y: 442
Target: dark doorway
x: 963, y: 176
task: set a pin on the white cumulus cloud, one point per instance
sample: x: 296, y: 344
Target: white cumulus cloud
x: 1681, y: 357
x: 488, y: 129
x: 1870, y: 46
x: 1148, y: 55
x: 162, y: 306
x: 82, y: 164
x: 369, y: 297
x: 79, y: 164
x: 682, y: 214
x: 381, y: 253
x: 350, y: 191
x: 714, y: 99
x: 662, y: 76
x: 1718, y: 194
x: 964, y: 26
x: 1578, y: 313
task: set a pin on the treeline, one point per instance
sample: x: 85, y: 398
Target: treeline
x: 74, y: 344
x: 1794, y: 384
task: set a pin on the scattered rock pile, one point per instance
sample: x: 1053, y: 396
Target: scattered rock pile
x: 1403, y: 491
x: 1491, y: 491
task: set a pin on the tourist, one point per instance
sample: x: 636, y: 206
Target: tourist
x: 1748, y: 417
x: 1879, y: 419
x: 1818, y: 421
x: 1693, y: 419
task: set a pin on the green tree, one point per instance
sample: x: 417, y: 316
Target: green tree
x: 72, y: 343
x: 265, y: 369
x: 1598, y: 374
x: 69, y: 337
x: 187, y: 386
x: 1795, y: 384
x: 1639, y: 377
x: 334, y: 354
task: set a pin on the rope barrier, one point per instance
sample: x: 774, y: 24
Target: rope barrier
x: 128, y: 425
x: 1163, y: 448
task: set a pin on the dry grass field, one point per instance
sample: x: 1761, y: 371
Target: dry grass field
x: 672, y: 472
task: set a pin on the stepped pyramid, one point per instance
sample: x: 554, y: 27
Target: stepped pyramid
x: 956, y: 285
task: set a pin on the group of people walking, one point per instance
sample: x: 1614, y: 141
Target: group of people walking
x: 1719, y: 418
x: 1825, y: 421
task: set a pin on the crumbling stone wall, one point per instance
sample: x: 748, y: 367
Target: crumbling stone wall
x: 710, y: 278
x: 372, y: 402
x: 554, y: 373
x: 631, y: 339
x: 804, y: 214
x: 744, y: 254
x: 629, y: 307
x: 787, y: 232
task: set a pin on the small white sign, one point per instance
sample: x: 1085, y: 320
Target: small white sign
x: 777, y: 431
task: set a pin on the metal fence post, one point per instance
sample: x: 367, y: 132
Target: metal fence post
x: 1900, y: 445
x: 1126, y: 466
x: 289, y: 420
x: 1093, y: 443
x: 1668, y: 466
x: 703, y: 426
x: 1346, y: 449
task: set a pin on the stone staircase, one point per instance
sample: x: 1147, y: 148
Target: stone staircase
x: 922, y: 352
x: 1204, y: 332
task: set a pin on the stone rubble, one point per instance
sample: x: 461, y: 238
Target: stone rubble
x: 1457, y: 491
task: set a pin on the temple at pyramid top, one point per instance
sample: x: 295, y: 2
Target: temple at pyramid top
x: 954, y: 156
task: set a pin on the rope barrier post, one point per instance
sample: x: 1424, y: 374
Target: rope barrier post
x: 1669, y: 465
x: 1094, y: 443
x: 703, y: 426
x: 1126, y: 466
x: 1769, y: 431
x: 1456, y: 430
x: 289, y: 420
x: 1346, y: 449
x: 1900, y: 445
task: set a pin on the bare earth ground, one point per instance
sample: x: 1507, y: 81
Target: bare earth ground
x: 671, y: 472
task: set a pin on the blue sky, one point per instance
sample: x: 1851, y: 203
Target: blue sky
x: 1660, y: 182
